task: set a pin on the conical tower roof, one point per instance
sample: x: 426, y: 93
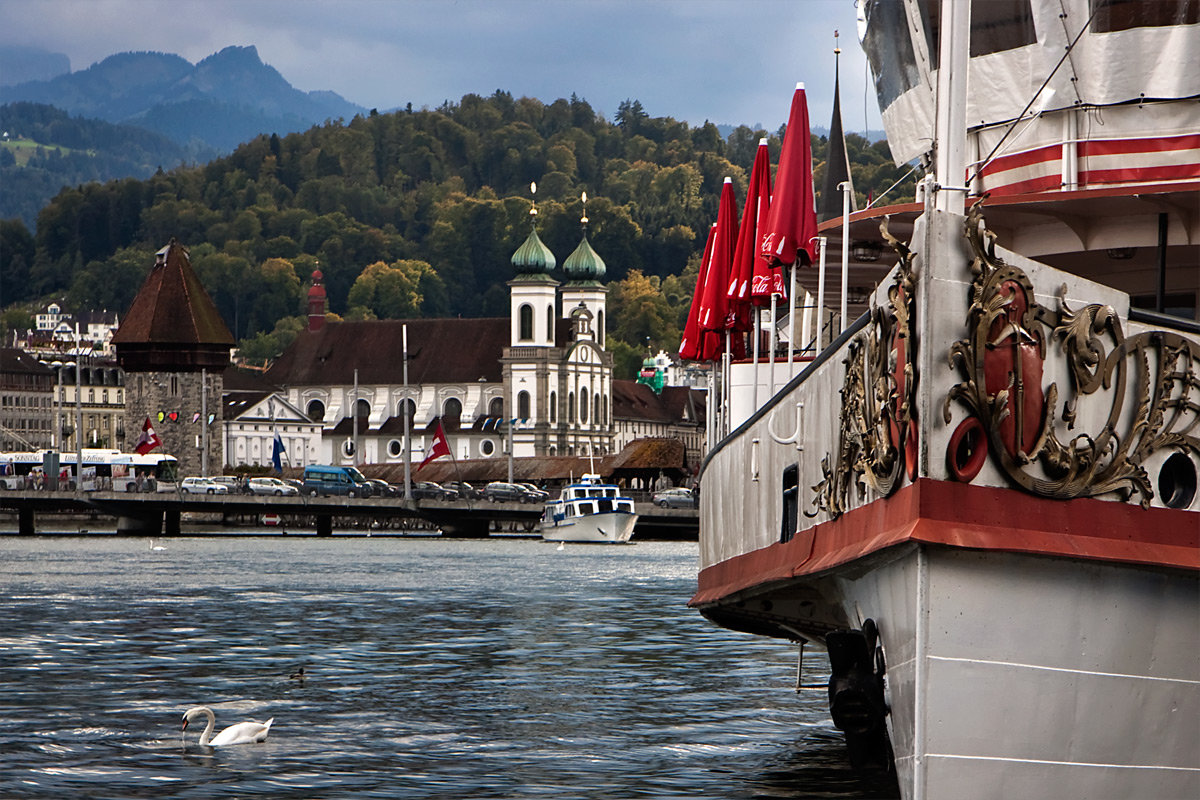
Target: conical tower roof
x: 172, y: 324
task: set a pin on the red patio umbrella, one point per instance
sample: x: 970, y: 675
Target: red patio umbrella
x: 745, y: 259
x: 792, y: 219
x: 690, y: 349
x: 714, y: 303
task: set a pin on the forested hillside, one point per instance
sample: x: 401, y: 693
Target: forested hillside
x: 45, y: 149
x: 414, y: 213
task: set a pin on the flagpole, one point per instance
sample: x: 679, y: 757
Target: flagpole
x: 204, y: 422
x: 792, y: 319
x: 757, y: 335
x: 406, y: 420
x: 354, y: 414
x: 846, y: 190
x: 772, y: 342
x: 821, y: 300
x: 78, y: 412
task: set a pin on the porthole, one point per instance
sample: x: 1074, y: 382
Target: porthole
x: 487, y: 447
x: 395, y: 448
x: 1177, y: 481
x: 348, y: 448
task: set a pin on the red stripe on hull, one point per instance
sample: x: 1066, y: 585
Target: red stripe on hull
x: 976, y: 517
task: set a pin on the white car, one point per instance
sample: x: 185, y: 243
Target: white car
x: 202, y: 486
x: 271, y: 486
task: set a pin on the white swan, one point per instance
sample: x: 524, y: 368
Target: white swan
x: 241, y: 733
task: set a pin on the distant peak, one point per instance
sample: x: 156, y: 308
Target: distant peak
x: 235, y: 54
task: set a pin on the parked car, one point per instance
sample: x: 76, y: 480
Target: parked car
x: 674, y: 498
x: 533, y: 494
x: 428, y: 490
x: 325, y: 480
x: 381, y: 488
x: 501, y: 492
x: 202, y: 486
x: 230, y: 482
x: 465, y: 490
x: 271, y: 486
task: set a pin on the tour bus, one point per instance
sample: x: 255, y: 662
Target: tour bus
x: 103, y: 470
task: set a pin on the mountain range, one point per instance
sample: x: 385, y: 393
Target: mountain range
x: 209, y: 107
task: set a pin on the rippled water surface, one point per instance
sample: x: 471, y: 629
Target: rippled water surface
x: 503, y: 668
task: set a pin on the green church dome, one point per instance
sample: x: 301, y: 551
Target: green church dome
x: 585, y: 264
x: 533, y: 257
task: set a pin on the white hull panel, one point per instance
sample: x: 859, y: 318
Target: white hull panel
x: 611, y: 528
x: 1035, y: 677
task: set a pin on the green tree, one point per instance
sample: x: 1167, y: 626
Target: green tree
x: 393, y: 291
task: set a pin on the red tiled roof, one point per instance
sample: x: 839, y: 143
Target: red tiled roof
x: 172, y: 307
x: 676, y: 404
x: 439, y: 351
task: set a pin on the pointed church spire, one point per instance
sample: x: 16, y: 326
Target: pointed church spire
x: 837, y: 161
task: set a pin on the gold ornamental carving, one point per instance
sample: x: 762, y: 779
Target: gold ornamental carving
x: 877, y: 435
x: 1149, y: 381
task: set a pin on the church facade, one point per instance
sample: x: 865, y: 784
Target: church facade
x: 538, y: 383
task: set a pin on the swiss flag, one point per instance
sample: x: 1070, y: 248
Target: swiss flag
x: 148, y: 440
x: 439, y: 447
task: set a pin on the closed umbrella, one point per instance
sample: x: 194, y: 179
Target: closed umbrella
x: 788, y: 237
x: 714, y: 303
x: 745, y: 257
x: 691, y: 349
x: 792, y: 219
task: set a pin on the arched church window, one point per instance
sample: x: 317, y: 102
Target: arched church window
x: 570, y: 408
x: 412, y: 411
x: 315, y: 410
x: 523, y: 405
x: 362, y: 408
x: 496, y: 407
x: 525, y: 315
x: 452, y: 412
x: 550, y: 324
x: 600, y: 327
x: 583, y: 404
x: 554, y: 406
x: 596, y: 413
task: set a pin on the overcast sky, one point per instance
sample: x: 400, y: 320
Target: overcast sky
x: 727, y: 61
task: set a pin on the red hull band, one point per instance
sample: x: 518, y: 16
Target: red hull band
x: 976, y: 517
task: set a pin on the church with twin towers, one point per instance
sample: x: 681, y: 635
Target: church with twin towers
x: 539, y: 380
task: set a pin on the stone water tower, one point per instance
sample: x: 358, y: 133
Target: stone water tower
x: 174, y: 348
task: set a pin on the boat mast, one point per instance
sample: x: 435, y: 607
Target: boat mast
x: 950, y: 128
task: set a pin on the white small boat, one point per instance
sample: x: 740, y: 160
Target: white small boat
x: 589, y: 511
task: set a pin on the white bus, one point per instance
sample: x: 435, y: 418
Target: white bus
x: 103, y: 471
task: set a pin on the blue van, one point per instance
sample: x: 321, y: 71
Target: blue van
x: 335, y: 480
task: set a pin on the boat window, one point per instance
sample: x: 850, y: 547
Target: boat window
x: 791, y: 502
x: 996, y: 25
x: 1121, y: 15
x: 586, y: 508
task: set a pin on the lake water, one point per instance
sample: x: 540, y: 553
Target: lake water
x: 502, y: 668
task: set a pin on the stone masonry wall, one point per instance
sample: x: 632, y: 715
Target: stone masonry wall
x: 148, y: 393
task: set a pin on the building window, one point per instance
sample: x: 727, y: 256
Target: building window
x: 315, y: 410
x: 554, y: 406
x: 600, y: 327
x: 525, y: 314
x: 395, y: 448
x: 487, y: 447
x: 174, y: 385
x: 412, y: 411
x: 583, y: 405
x: 571, y: 408
x: 550, y: 324
x: 596, y: 412
x: 496, y: 407
x: 523, y: 405
x: 452, y: 412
